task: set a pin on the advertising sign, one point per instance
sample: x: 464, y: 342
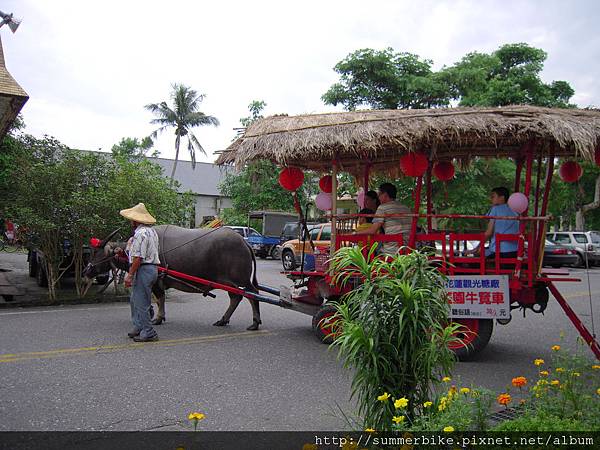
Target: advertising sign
x: 478, y: 296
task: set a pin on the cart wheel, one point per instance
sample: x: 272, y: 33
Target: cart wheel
x: 475, y: 335
x: 322, y: 324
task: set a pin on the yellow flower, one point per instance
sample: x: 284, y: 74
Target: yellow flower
x: 442, y: 407
x: 465, y: 390
x: 427, y: 404
x: 538, y: 362
x: 555, y: 382
x: 452, y: 392
x: 598, y: 391
x: 595, y: 367
x: 559, y: 369
x: 448, y: 429
x: 576, y: 374
x: 369, y: 430
x: 504, y: 399
x: 443, y: 400
x: 542, y: 382
x: 398, y: 419
x: 384, y: 397
x: 310, y: 447
x: 519, y: 382
x: 196, y: 416
x: 555, y: 348
x: 544, y: 373
x: 446, y: 379
x: 401, y: 403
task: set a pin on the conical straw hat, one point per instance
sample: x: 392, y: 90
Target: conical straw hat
x: 139, y: 214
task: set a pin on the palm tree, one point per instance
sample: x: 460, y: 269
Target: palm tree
x: 183, y: 116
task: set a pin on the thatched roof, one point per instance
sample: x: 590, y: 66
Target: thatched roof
x: 382, y: 136
x: 12, y: 97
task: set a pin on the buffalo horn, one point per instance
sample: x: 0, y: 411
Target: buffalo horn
x: 108, y: 238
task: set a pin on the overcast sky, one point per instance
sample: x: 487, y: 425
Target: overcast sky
x: 90, y: 67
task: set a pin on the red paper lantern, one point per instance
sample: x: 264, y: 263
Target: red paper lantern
x: 291, y: 178
x: 326, y: 184
x: 413, y: 164
x: 570, y: 171
x: 95, y: 242
x: 597, y: 156
x: 443, y: 170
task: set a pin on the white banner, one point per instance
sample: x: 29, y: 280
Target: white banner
x: 478, y: 296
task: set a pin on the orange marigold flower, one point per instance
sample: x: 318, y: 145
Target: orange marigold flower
x: 519, y: 381
x: 556, y: 348
x: 504, y: 399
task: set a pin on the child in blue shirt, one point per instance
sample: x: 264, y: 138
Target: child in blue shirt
x: 508, y: 249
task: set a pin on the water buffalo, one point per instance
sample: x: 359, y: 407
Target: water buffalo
x: 219, y: 255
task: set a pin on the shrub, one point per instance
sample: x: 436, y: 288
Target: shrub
x: 392, y: 329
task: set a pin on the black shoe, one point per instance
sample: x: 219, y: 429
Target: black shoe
x: 133, y: 333
x: 145, y: 339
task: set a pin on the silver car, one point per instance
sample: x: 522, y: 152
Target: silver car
x: 586, y: 243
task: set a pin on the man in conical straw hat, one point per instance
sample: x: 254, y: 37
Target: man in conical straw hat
x: 143, y: 271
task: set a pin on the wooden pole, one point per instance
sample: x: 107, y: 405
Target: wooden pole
x: 413, y: 228
x: 429, y: 204
x: 333, y: 205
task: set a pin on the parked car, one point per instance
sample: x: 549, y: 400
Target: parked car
x: 586, y: 244
x: 37, y: 263
x: 291, y: 230
x: 262, y: 246
x: 291, y: 251
x: 557, y: 255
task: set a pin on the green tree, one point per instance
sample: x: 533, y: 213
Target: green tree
x: 386, y: 80
x: 134, y: 148
x: 256, y: 186
x: 507, y: 76
x: 183, y: 115
x: 59, y: 193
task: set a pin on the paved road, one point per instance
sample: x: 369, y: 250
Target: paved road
x: 73, y: 368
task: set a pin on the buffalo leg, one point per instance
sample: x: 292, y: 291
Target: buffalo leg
x: 160, y: 303
x: 255, y: 315
x: 234, y: 301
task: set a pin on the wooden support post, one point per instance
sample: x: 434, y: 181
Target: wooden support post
x: 333, y: 205
x: 541, y: 242
x: 429, y: 204
x: 366, y: 177
x: 413, y: 228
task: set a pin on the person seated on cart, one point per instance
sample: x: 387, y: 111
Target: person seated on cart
x: 508, y: 249
x: 389, y: 225
x: 372, y: 200
x: 364, y: 223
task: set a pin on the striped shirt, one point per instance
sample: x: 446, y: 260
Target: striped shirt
x: 393, y: 225
x: 144, y: 245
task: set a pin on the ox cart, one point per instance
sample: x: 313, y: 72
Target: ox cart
x: 413, y: 143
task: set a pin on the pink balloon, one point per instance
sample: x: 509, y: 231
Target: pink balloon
x: 518, y: 202
x: 360, y: 199
x: 323, y: 201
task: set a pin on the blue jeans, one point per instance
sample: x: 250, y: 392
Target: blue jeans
x: 141, y: 298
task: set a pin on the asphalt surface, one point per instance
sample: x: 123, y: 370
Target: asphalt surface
x: 73, y: 368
